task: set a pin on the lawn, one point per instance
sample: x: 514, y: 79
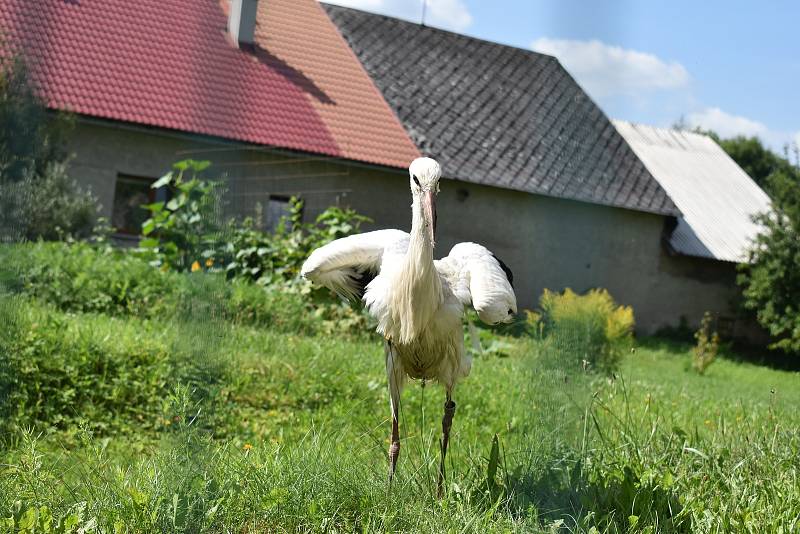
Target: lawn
x: 196, y: 419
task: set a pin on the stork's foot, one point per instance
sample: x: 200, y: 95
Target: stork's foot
x: 394, y: 453
x: 447, y: 422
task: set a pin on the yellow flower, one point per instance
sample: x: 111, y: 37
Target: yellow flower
x: 195, y: 266
x: 247, y: 446
x: 209, y: 262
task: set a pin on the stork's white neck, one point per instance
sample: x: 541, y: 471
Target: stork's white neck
x: 419, y: 226
x: 418, y: 290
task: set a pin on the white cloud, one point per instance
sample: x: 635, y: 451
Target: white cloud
x: 726, y: 124
x: 450, y: 14
x: 606, y: 70
x: 729, y: 125
x: 368, y: 5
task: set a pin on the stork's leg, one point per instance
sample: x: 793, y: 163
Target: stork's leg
x: 447, y: 422
x: 394, y: 375
x: 394, y: 448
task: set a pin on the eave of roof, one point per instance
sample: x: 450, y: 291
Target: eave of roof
x: 499, y: 115
x: 170, y: 64
x: 716, y: 197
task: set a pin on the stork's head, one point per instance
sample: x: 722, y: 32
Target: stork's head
x: 425, y: 174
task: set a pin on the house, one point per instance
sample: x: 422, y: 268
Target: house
x: 292, y: 97
x: 602, y: 210
x: 716, y: 197
x: 717, y: 200
x: 280, y: 110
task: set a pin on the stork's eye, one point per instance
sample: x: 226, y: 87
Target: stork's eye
x: 415, y: 180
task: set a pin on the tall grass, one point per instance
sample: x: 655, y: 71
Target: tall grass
x: 200, y: 420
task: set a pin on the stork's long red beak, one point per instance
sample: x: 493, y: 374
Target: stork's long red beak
x: 429, y: 205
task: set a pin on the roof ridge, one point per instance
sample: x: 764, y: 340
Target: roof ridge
x: 438, y: 29
x: 499, y: 115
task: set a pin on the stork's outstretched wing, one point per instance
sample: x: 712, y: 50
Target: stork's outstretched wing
x: 479, y: 279
x: 346, y: 265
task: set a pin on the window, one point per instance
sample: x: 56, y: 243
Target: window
x: 277, y: 207
x: 129, y: 195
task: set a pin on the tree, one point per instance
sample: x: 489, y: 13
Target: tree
x: 771, y: 279
x: 38, y: 199
x: 29, y: 139
x: 758, y: 161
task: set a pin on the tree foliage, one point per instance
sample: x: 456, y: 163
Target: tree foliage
x: 38, y: 199
x: 29, y: 139
x: 770, y: 280
x: 759, y: 162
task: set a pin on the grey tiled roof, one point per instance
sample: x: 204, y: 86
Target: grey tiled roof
x: 499, y: 115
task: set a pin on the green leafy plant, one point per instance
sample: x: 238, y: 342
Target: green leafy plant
x: 83, y: 278
x: 179, y: 230
x: 50, y: 206
x: 484, y: 341
x: 592, y: 327
x: 770, y: 280
x: 62, y: 374
x: 276, y: 258
x: 707, y: 346
x: 273, y: 261
x: 38, y: 199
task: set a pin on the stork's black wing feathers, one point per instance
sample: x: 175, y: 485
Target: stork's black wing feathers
x: 361, y: 282
x: 509, y: 274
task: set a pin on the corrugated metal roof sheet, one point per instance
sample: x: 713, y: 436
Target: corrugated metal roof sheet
x: 717, y: 198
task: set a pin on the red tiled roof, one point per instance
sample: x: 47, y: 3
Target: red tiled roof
x: 170, y: 64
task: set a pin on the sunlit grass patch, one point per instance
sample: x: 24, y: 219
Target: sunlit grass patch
x: 201, y: 422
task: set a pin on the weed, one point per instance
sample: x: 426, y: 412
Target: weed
x: 707, y: 346
x: 592, y: 327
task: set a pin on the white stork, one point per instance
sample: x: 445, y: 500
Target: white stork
x: 418, y: 302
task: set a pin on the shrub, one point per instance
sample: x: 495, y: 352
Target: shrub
x: 62, y: 373
x: 51, y: 207
x: 37, y: 197
x: 82, y: 278
x: 179, y: 230
x: 276, y: 258
x: 592, y: 326
x: 705, y: 351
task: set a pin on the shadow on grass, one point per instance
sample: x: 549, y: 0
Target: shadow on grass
x: 735, y: 352
x: 613, y: 499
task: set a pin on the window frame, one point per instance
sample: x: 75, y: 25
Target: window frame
x: 153, y: 195
x: 269, y: 225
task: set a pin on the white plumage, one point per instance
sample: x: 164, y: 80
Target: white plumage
x: 417, y: 301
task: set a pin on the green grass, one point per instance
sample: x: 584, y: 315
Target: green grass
x: 202, y: 422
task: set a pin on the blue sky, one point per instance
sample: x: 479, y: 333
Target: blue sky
x: 730, y: 66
